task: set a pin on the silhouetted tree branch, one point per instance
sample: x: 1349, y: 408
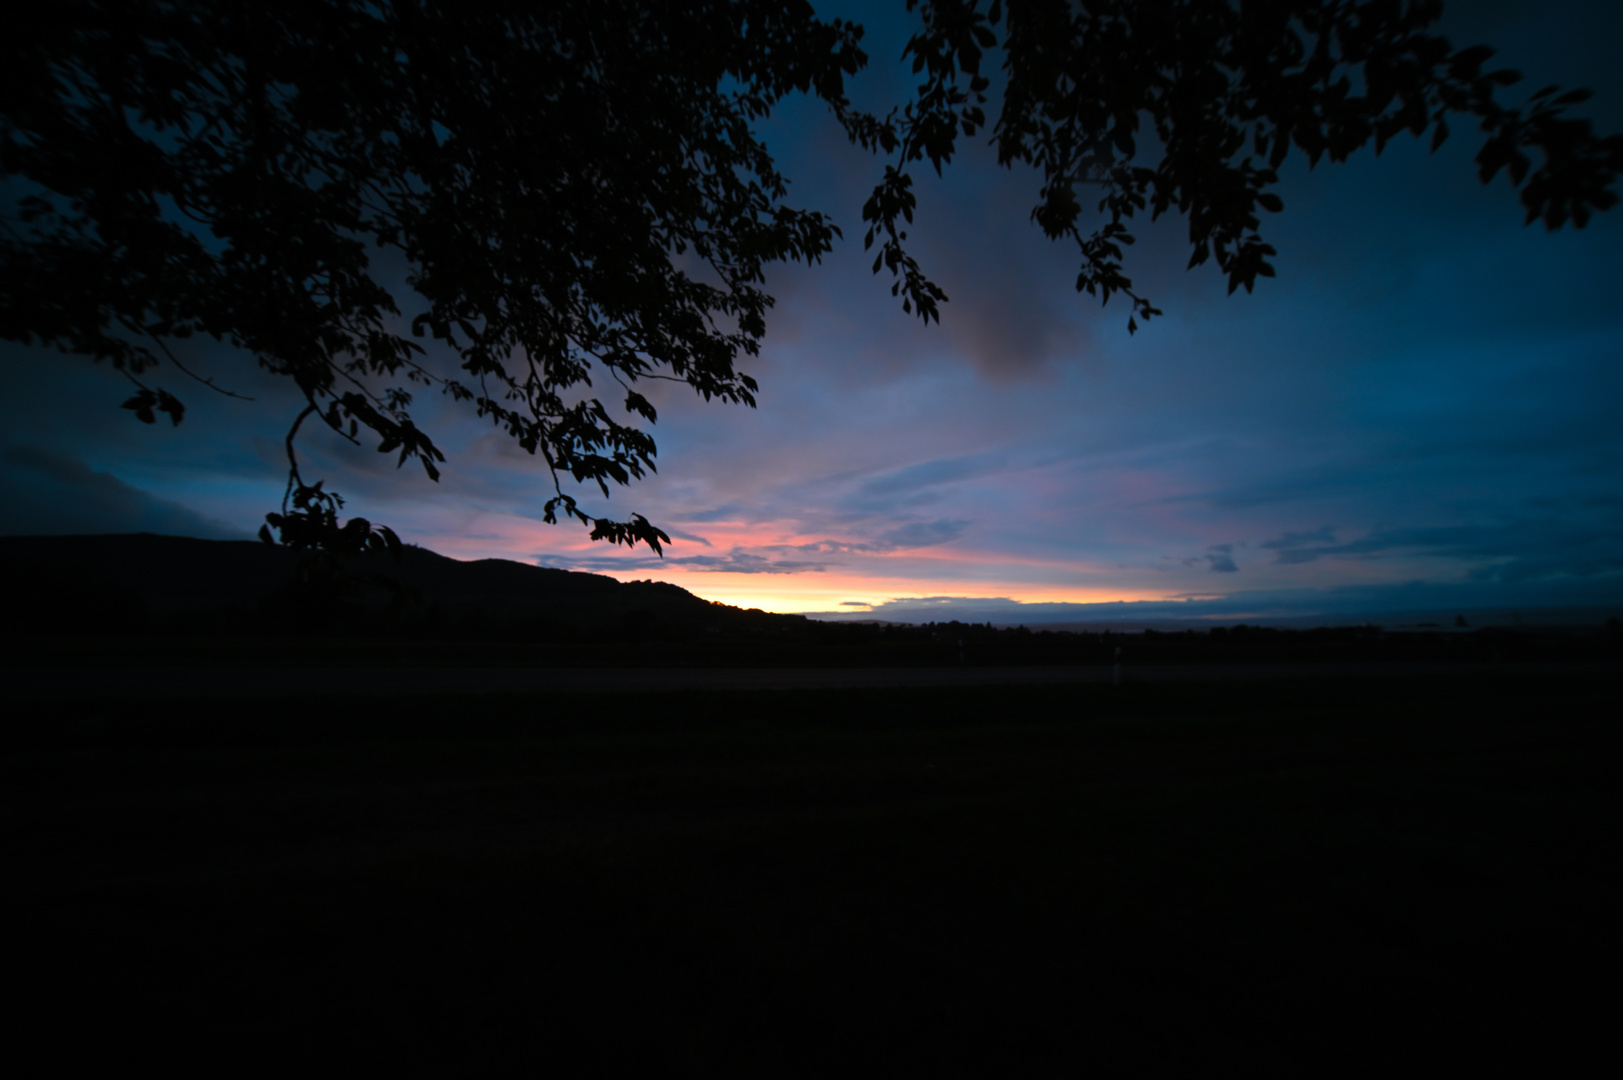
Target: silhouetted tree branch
x: 1193, y: 105
x: 574, y: 188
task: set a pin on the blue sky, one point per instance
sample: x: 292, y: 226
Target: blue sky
x: 1421, y: 411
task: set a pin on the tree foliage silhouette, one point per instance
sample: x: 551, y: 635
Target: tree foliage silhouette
x: 576, y: 191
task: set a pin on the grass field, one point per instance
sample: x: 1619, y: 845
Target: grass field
x: 1294, y: 877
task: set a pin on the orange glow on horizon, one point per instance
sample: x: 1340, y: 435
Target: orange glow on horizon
x: 839, y: 588
x: 824, y: 592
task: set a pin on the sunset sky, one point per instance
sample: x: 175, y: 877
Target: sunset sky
x: 1424, y: 409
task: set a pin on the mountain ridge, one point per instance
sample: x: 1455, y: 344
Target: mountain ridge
x: 135, y: 578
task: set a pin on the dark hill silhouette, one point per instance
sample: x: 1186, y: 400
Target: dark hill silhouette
x: 124, y: 582
x: 144, y: 600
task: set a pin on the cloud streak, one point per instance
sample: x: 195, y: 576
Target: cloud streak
x: 46, y: 493
x: 797, y: 558
x: 1526, y: 550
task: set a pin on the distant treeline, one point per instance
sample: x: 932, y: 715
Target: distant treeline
x: 983, y: 644
x: 153, y: 599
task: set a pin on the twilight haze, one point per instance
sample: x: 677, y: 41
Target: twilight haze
x: 1422, y: 411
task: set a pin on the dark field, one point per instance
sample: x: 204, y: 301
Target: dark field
x: 1295, y: 877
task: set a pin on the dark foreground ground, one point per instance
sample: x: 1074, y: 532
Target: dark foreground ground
x: 227, y: 687
x: 1297, y: 877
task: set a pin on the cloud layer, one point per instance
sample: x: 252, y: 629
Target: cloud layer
x: 1426, y: 394
x: 45, y: 493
